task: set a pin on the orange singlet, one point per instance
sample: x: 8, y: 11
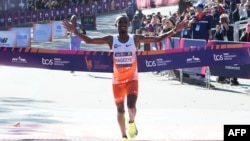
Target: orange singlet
x: 125, y: 74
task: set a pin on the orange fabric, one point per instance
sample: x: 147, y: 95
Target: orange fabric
x: 122, y: 74
x: 199, y: 15
x: 121, y: 90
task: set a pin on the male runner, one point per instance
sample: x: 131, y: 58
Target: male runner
x: 75, y: 42
x: 125, y: 74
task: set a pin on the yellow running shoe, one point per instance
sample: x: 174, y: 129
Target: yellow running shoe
x: 124, y: 139
x: 132, y: 130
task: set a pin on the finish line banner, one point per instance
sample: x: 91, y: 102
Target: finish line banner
x: 214, y: 54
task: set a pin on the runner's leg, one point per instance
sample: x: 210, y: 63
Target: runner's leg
x: 119, y: 95
x: 132, y: 91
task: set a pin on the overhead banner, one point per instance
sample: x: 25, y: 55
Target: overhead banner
x: 8, y: 39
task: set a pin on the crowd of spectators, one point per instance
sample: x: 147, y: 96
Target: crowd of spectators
x: 11, y: 5
x: 203, y: 17
x: 50, y: 4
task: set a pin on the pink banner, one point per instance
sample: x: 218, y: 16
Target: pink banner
x: 143, y: 3
x: 161, y: 2
x: 172, y: 2
x: 146, y: 3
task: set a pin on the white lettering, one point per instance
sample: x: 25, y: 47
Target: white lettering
x: 218, y: 57
x: 150, y: 63
x: 121, y: 60
x: 235, y: 132
x: 243, y: 131
x: 231, y: 132
x: 47, y: 61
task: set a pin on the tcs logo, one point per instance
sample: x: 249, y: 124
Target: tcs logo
x: 218, y: 57
x: 48, y: 62
x: 150, y: 63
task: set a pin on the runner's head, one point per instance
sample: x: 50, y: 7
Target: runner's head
x: 122, y: 24
x: 73, y: 19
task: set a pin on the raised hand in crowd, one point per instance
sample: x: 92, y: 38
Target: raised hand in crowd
x: 181, y: 24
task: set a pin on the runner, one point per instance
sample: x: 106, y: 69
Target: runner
x: 125, y: 72
x: 75, y: 42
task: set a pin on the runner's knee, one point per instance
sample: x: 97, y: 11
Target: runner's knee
x: 131, y: 100
x: 120, y: 108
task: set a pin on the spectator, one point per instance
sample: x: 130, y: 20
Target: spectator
x: 245, y: 36
x: 219, y: 7
x: 152, y: 29
x: 200, y: 28
x: 144, y: 22
x: 140, y: 14
x: 243, y: 10
x: 39, y: 4
x: 224, y: 32
x: 168, y: 24
x: 136, y: 24
x: 134, y: 6
x: 186, y: 32
x: 235, y: 13
x: 226, y: 6
x: 94, y: 9
x: 183, y: 5
x: 31, y: 6
x: 201, y: 24
x: 130, y: 12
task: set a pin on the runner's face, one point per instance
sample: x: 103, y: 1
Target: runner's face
x: 122, y: 25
